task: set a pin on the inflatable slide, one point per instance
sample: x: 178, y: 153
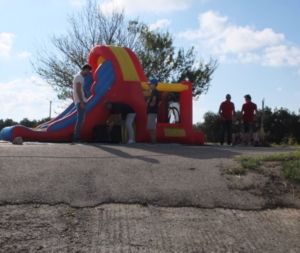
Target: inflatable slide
x: 117, y: 75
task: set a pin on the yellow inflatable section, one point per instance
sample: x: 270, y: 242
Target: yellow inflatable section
x: 172, y: 87
x: 130, y: 74
x: 127, y: 67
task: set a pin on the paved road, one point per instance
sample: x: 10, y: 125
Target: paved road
x: 116, y: 228
x: 166, y: 175
x: 138, y: 198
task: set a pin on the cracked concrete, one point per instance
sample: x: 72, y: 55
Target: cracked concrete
x: 49, y: 191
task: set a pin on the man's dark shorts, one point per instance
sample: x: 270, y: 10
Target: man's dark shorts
x: 248, y: 127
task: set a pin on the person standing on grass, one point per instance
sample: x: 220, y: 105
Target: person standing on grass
x: 227, y: 113
x: 248, y: 110
x: 152, y: 109
x: 80, y: 99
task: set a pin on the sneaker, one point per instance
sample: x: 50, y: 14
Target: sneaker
x: 130, y: 142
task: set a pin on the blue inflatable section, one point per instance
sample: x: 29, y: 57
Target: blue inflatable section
x: 6, y: 133
x: 88, y: 83
x: 106, y: 77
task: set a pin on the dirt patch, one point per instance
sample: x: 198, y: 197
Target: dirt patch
x: 269, y: 184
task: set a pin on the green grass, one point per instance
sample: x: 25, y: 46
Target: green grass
x: 236, y: 171
x: 290, y: 163
x: 292, y: 170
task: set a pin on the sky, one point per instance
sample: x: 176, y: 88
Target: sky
x: 256, y: 44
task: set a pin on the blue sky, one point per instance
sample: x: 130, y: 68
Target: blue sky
x: 257, y: 45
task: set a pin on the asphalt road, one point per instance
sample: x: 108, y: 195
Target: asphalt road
x: 138, y: 198
x: 164, y: 175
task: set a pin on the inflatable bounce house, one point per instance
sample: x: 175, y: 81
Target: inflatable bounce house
x: 117, y: 75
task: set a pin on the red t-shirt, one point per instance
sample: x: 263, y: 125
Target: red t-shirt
x: 248, y: 109
x: 226, y: 110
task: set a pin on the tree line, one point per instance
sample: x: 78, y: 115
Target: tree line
x: 24, y: 122
x: 280, y: 126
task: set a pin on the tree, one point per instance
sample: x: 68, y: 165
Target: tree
x: 160, y: 59
x: 211, y: 126
x: 7, y: 123
x: 280, y: 125
x: 57, y: 63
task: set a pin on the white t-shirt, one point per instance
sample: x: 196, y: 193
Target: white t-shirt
x: 78, y: 78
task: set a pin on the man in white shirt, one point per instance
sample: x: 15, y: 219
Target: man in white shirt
x: 80, y: 99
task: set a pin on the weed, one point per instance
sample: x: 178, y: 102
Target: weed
x: 252, y: 163
x: 70, y: 212
x: 236, y: 171
x: 292, y: 170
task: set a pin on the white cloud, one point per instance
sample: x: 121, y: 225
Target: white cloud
x: 23, y: 98
x: 281, y: 55
x: 24, y: 54
x: 6, y: 41
x: 148, y: 6
x: 242, y: 43
x: 279, y: 89
x: 160, y: 24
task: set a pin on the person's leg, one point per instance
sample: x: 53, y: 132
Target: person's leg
x: 153, y: 136
x: 123, y: 131
x: 250, y: 128
x: 151, y: 126
x: 222, y: 137
x: 245, y: 132
x: 79, y: 122
x: 129, y: 121
x: 229, y: 131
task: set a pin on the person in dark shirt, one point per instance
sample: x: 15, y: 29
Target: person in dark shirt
x: 121, y: 114
x: 248, y: 110
x: 227, y: 112
x: 152, y: 109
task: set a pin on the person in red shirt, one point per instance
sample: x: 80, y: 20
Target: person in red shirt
x: 248, y: 110
x: 227, y: 113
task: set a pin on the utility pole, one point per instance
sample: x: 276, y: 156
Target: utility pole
x: 50, y: 109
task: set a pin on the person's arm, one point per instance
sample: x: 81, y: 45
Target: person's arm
x: 233, y: 112
x: 79, y: 94
x: 154, y: 98
x: 256, y: 112
x: 153, y: 101
x: 116, y: 119
x: 110, y: 119
x: 220, y: 112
